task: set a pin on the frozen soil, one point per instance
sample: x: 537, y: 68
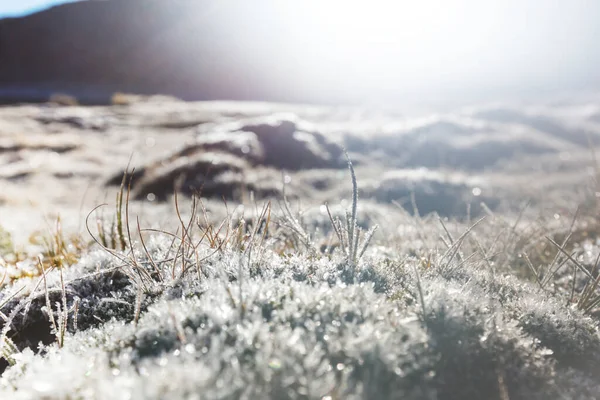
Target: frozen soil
x: 442, y: 304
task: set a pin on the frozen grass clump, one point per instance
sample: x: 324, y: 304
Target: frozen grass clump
x: 245, y: 309
x: 267, y: 340
x: 233, y: 334
x: 572, y: 336
x: 461, y: 320
x: 102, y: 293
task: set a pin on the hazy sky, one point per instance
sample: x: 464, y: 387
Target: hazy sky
x: 434, y: 46
x: 467, y: 44
x: 450, y: 48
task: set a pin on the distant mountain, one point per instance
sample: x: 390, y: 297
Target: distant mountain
x: 192, y: 49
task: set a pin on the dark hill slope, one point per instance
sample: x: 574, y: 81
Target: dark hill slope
x: 192, y: 49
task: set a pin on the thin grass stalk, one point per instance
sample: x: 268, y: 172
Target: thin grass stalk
x: 367, y: 240
x: 556, y: 257
x: 120, y: 232
x: 420, y: 291
x: 570, y: 257
x: 64, y: 315
x: 533, y: 270
x: 456, y: 246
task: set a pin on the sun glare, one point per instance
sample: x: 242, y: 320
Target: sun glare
x: 411, y: 46
x: 373, y: 43
x: 383, y: 49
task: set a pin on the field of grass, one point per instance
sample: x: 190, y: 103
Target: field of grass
x: 270, y: 302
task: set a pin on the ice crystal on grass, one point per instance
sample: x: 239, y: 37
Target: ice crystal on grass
x: 572, y: 336
x: 461, y: 320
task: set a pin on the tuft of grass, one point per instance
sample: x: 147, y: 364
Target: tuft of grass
x: 114, y: 237
x: 59, y: 322
x: 589, y: 298
x: 293, y: 223
x: 58, y: 250
x: 348, y: 232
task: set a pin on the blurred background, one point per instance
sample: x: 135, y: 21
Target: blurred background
x: 324, y: 52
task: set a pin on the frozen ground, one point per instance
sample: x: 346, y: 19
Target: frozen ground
x: 58, y: 159
x: 273, y: 306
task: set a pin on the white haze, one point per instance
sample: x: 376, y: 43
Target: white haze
x: 454, y: 48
